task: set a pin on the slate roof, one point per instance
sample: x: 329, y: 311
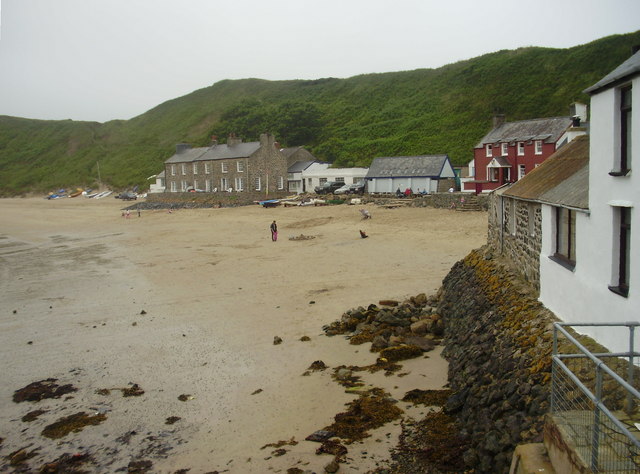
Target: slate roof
x: 299, y: 166
x: 216, y: 152
x: 561, y: 180
x: 548, y: 129
x: 630, y: 67
x: 407, y: 166
x: 290, y: 150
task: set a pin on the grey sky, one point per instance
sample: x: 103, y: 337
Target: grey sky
x: 115, y: 59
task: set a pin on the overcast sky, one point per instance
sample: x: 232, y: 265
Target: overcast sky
x: 115, y: 59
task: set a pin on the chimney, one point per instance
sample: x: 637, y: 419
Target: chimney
x: 498, y: 119
x: 182, y: 147
x: 578, y: 113
x: 233, y: 140
x: 267, y: 139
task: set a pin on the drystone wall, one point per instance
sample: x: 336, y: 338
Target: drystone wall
x: 498, y: 342
x: 515, y: 231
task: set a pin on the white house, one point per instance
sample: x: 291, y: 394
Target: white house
x: 602, y: 283
x: 319, y: 173
x: 297, y: 183
x: 419, y: 173
x: 159, y: 186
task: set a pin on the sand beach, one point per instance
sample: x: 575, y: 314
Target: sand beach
x: 184, y: 307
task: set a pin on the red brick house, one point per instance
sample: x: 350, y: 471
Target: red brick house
x: 512, y: 149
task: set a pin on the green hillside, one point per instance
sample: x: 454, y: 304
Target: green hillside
x: 345, y: 121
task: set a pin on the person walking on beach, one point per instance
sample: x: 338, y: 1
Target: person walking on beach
x: 274, y: 231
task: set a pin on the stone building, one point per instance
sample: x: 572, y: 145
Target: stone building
x: 555, y: 191
x: 234, y: 167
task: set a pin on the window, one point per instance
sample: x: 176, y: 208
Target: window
x: 183, y: 185
x: 625, y: 132
x: 184, y: 168
x: 507, y: 174
x: 195, y: 184
x: 173, y: 170
x: 504, y: 149
x: 489, y: 149
x: 309, y: 182
x: 224, y: 184
x: 240, y: 166
x: 239, y: 184
x: 565, y: 252
x: 207, y: 168
x: 195, y: 168
x: 207, y: 184
x: 280, y: 182
x: 224, y: 167
x: 339, y: 180
x: 521, y: 171
x: 520, y: 148
x: 538, y: 144
x: 257, y: 183
x: 623, y: 230
x: 322, y: 181
x: 492, y: 174
x: 174, y: 187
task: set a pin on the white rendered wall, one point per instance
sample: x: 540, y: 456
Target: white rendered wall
x: 582, y: 295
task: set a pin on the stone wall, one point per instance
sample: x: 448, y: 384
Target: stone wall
x: 204, y: 200
x: 498, y: 341
x: 515, y: 231
x: 445, y: 199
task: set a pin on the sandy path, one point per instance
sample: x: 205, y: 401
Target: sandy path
x: 215, y: 291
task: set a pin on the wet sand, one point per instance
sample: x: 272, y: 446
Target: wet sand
x: 188, y: 303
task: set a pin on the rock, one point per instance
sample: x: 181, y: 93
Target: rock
x: 395, y: 340
x: 332, y: 467
x: 419, y: 300
x: 421, y: 327
x: 343, y: 374
x: 423, y: 343
x: 379, y: 343
x: 320, y: 436
x: 277, y: 340
x: 388, y: 303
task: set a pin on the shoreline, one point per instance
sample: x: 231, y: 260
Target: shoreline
x: 215, y: 291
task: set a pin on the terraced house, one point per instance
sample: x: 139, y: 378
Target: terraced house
x: 232, y: 167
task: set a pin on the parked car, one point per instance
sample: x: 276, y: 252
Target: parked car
x: 328, y: 188
x: 356, y: 188
x: 127, y: 196
x: 343, y: 189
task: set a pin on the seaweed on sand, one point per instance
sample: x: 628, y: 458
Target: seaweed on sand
x: 372, y: 409
x: 72, y: 423
x: 36, y: 391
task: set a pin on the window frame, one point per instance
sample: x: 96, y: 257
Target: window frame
x: 564, y: 251
x: 239, y: 182
x: 624, y: 252
x: 240, y: 166
x: 224, y: 167
x: 173, y: 170
x: 195, y: 167
x: 504, y: 149
x: 207, y: 167
x: 520, y: 147
x: 280, y: 182
x: 522, y: 171
x: 488, y: 150
x: 537, y: 147
x: 257, y: 183
x: 623, y: 160
x: 224, y: 184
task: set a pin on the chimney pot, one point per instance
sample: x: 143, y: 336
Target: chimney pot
x: 498, y: 119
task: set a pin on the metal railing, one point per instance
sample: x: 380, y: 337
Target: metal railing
x: 594, y: 400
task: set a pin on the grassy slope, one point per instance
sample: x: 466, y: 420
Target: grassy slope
x: 444, y: 110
